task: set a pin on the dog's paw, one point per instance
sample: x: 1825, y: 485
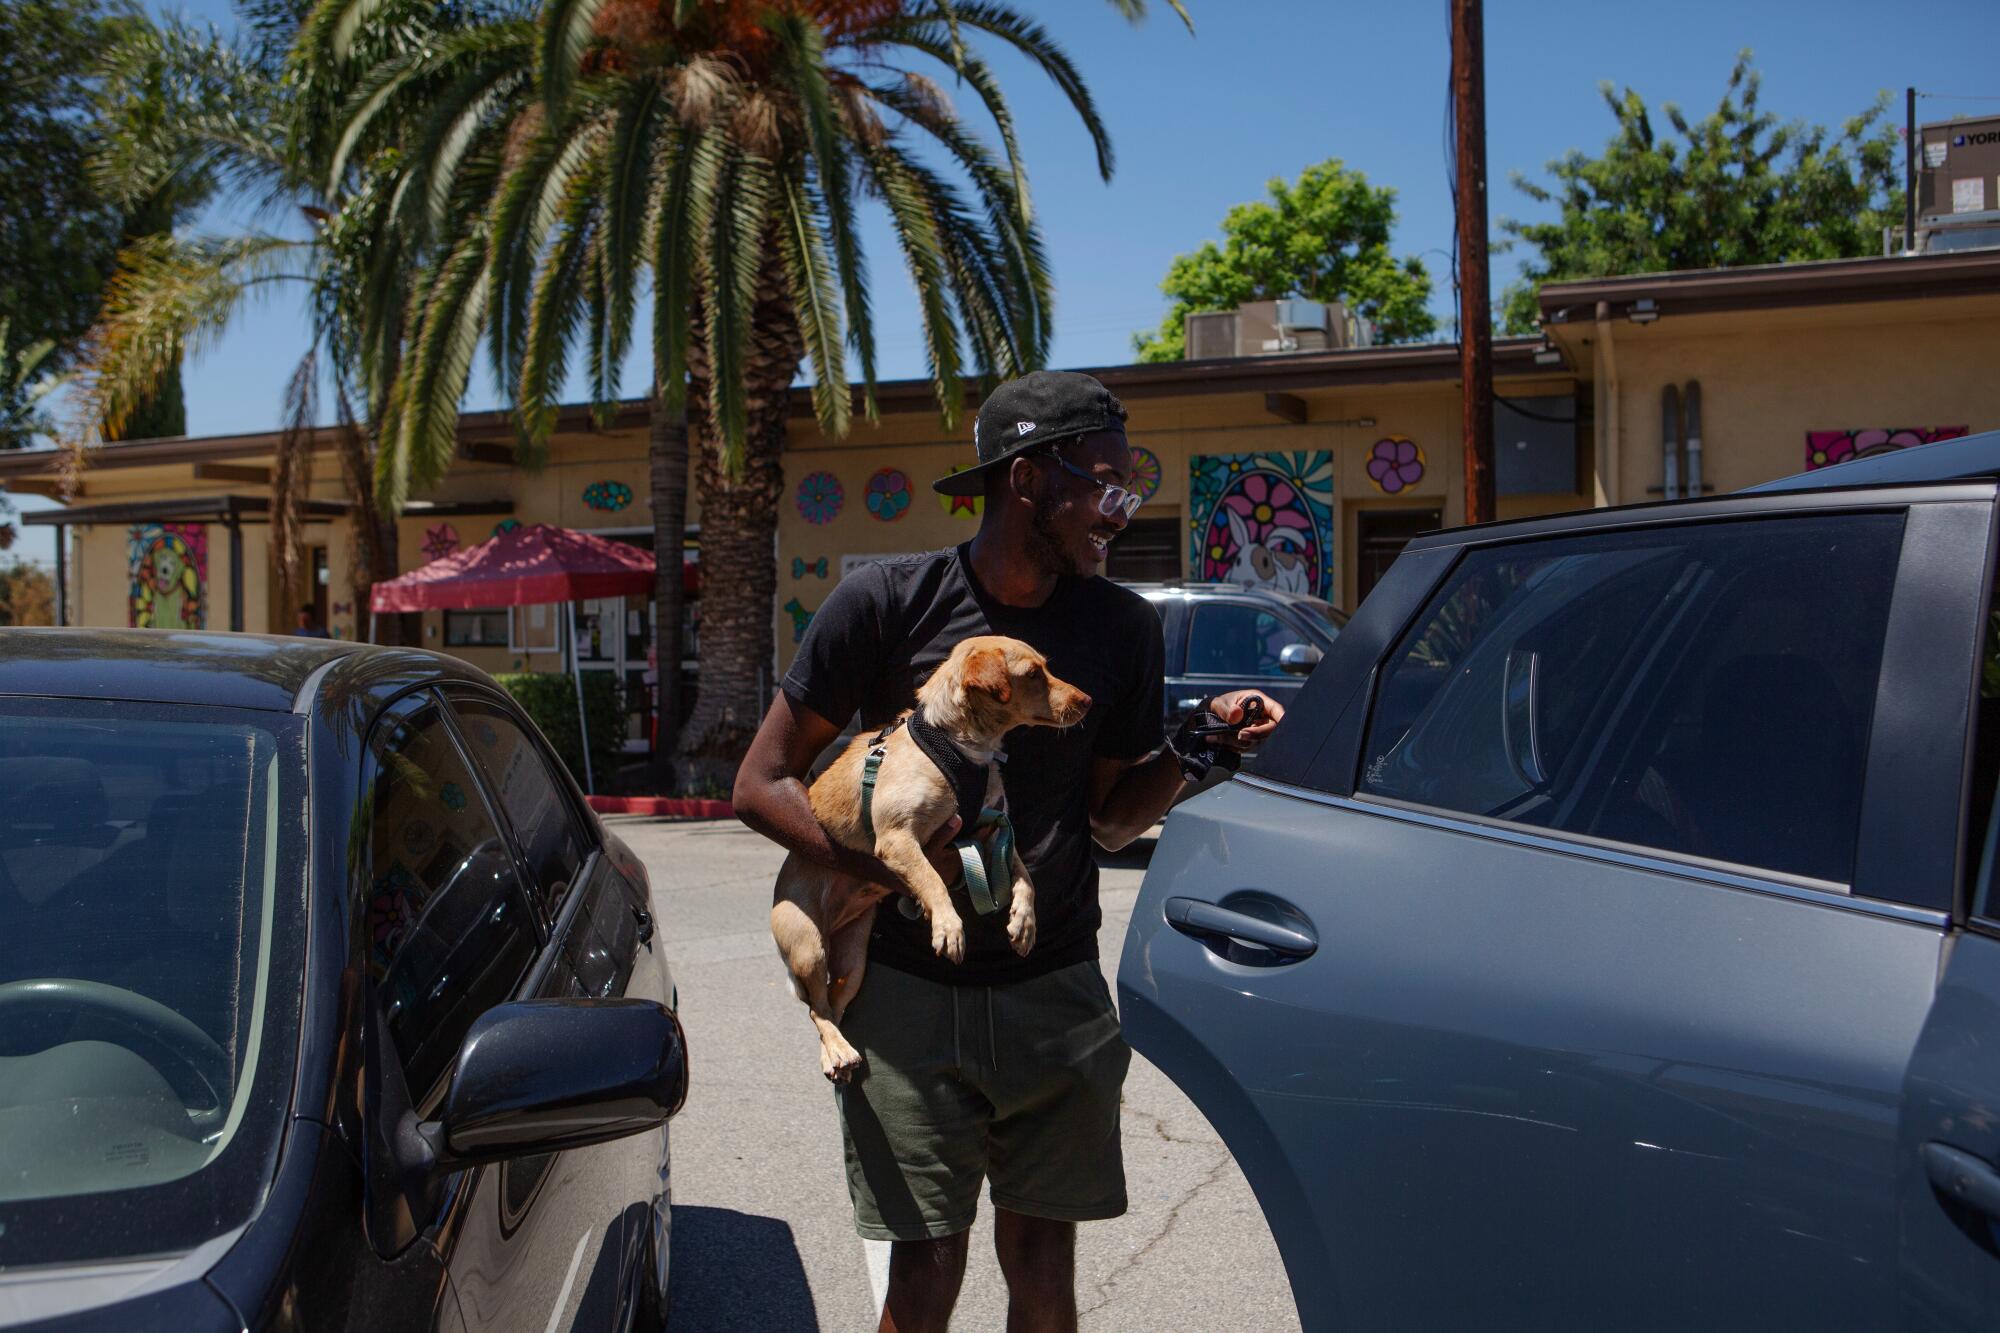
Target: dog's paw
x: 838, y: 1063
x: 948, y: 936
x: 1021, y: 924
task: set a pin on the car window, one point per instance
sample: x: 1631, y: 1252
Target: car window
x: 1702, y: 689
x: 447, y: 925
x: 1234, y: 639
x: 545, y: 827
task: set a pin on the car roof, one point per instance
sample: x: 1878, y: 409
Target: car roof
x: 1177, y: 588
x: 263, y: 671
x: 1962, y: 459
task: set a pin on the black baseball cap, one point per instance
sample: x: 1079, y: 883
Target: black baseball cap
x: 1038, y: 408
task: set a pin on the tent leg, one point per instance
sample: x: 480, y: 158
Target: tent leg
x: 374, y: 627
x: 576, y: 678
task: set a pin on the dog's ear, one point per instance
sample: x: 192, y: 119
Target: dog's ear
x: 986, y: 671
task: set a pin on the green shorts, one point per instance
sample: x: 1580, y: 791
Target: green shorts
x: 1019, y: 1084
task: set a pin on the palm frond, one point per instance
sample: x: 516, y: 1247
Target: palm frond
x: 628, y: 193
x: 917, y: 234
x: 169, y: 298
x: 803, y: 47
x: 565, y: 36
x: 800, y: 225
x: 180, y: 107
x: 409, y: 86
x: 555, y: 311
x: 980, y: 75
x: 732, y: 245
x: 1033, y: 41
x: 687, y: 174
x: 427, y: 436
x: 530, y: 200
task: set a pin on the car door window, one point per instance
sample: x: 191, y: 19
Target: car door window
x: 1703, y: 689
x: 1235, y: 639
x: 448, y: 930
x: 545, y: 827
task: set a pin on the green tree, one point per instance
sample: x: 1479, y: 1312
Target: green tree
x: 59, y: 233
x: 182, y: 106
x: 1736, y: 187
x: 27, y: 594
x: 723, y: 146
x: 1324, y: 237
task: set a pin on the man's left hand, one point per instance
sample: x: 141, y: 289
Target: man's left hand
x: 1229, y: 708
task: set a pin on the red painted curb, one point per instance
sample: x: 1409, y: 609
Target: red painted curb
x: 683, y: 807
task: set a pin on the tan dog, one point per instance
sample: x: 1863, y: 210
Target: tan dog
x: 821, y: 918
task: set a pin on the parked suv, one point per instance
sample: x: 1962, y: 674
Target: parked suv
x: 1224, y: 637
x: 1608, y: 937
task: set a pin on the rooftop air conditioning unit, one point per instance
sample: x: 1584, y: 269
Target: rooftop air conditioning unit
x: 1960, y: 169
x: 1210, y: 335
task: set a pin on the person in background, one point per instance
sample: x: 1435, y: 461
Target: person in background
x: 309, y: 626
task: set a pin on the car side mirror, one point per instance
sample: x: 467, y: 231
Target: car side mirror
x: 1298, y: 659
x: 542, y: 1076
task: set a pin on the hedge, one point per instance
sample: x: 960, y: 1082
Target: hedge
x: 550, y: 699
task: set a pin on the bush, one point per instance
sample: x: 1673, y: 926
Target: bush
x: 550, y: 699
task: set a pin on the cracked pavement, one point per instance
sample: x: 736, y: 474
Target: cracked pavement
x: 763, y: 1237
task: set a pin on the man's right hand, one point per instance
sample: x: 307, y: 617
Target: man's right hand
x: 942, y: 855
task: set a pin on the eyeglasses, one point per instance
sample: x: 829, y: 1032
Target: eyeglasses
x: 1111, y: 499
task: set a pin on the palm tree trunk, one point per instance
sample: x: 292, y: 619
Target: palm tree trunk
x: 667, y: 451
x: 739, y: 527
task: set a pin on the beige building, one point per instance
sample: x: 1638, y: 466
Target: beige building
x: 1306, y: 469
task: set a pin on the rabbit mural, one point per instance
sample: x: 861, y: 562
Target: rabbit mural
x: 1279, y: 561
x: 1263, y: 520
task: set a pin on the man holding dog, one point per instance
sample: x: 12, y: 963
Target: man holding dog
x: 998, y: 1068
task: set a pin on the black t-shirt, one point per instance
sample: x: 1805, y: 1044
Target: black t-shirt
x: 892, y: 622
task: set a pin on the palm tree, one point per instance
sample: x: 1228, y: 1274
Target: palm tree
x: 182, y: 106
x: 723, y: 146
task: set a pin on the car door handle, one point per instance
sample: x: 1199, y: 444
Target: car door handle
x: 1192, y: 916
x: 1962, y: 1176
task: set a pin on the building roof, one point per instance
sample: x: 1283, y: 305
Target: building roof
x: 479, y: 432
x: 1778, y: 286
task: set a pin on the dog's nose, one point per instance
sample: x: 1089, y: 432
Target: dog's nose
x: 1079, y: 702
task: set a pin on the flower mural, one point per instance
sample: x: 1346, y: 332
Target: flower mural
x: 168, y: 568
x: 440, y: 541
x: 1263, y: 520
x: 1395, y: 464
x: 506, y: 525
x: 889, y: 494
x: 819, y: 497
x: 609, y: 496
x: 1824, y: 448
x: 1145, y: 473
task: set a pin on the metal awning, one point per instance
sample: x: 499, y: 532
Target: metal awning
x: 232, y: 511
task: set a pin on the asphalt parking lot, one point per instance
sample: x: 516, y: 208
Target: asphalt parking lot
x: 763, y: 1236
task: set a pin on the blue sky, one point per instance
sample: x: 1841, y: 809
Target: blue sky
x: 1264, y: 88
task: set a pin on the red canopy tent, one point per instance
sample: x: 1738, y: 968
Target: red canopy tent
x: 526, y: 566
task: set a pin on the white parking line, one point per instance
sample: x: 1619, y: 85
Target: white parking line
x: 562, y: 1300
x: 878, y: 1269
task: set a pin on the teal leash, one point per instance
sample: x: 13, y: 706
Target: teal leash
x: 983, y: 865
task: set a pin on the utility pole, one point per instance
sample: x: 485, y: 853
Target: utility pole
x: 1475, y: 312
x: 1909, y: 171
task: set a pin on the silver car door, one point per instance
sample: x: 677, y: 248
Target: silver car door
x: 1579, y: 1007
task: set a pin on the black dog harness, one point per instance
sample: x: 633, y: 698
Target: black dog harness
x: 985, y: 865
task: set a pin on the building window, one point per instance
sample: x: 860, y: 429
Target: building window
x: 1148, y: 551
x: 484, y: 628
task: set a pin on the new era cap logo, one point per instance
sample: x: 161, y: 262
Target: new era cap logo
x: 1024, y: 427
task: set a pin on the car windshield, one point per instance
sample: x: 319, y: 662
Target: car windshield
x: 144, y: 859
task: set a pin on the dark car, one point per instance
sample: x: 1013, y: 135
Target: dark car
x: 1608, y: 938
x: 325, y: 1001
x: 1222, y: 636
